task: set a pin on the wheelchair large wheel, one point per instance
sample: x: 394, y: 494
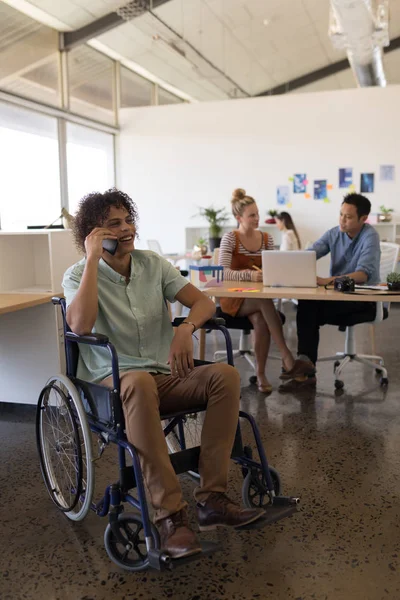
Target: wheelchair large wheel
x: 254, y: 490
x: 192, y: 424
x: 65, y: 449
x: 132, y: 555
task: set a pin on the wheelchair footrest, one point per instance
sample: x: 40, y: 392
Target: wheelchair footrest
x: 272, y: 514
x: 162, y: 561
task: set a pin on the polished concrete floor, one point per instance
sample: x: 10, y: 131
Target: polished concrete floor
x: 340, y: 453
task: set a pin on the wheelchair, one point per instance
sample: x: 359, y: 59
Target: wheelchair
x: 70, y: 410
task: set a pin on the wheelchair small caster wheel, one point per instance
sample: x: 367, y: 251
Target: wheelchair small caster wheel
x: 384, y: 381
x: 131, y: 555
x: 339, y: 385
x: 254, y: 489
x: 253, y: 380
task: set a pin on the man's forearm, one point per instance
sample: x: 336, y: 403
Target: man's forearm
x: 82, y: 312
x: 358, y: 276
x: 201, y: 311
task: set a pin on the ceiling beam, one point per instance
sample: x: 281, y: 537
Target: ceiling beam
x: 71, y: 39
x: 319, y: 74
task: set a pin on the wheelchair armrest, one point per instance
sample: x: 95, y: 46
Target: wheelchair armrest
x: 98, y: 339
x: 94, y: 339
x: 214, y: 323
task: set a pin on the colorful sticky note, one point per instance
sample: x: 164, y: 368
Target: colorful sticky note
x: 307, y: 195
x: 329, y: 186
x: 289, y: 205
x: 305, y: 181
x: 326, y: 200
x: 352, y: 187
x: 243, y: 290
x: 290, y: 178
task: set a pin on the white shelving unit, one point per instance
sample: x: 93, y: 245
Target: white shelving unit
x: 31, y: 340
x: 388, y: 232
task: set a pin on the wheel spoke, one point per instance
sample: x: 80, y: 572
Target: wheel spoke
x: 139, y: 553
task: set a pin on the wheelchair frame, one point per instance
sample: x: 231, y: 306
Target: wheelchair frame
x: 103, y: 416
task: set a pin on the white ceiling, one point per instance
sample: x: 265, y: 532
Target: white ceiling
x: 229, y: 51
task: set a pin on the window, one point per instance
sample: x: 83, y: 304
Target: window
x: 90, y: 162
x: 135, y: 91
x: 30, y: 184
x: 165, y: 97
x: 28, y: 57
x: 90, y: 76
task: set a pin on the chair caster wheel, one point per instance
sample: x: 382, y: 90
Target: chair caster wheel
x: 384, y: 381
x: 339, y: 385
x: 253, y: 379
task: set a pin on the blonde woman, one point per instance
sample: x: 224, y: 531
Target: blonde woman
x: 240, y: 251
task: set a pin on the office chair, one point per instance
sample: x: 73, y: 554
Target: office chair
x: 389, y: 259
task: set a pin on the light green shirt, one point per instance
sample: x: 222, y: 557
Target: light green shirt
x: 133, y: 316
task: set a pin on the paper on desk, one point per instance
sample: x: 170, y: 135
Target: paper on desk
x: 381, y: 288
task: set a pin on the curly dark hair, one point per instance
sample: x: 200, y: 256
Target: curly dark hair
x: 93, y: 210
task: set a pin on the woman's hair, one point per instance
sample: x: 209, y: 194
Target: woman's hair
x: 288, y: 223
x: 239, y: 202
x: 93, y: 211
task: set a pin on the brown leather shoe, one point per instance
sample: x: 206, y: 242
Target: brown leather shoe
x: 300, y: 368
x: 303, y: 384
x: 219, y: 511
x: 176, y: 536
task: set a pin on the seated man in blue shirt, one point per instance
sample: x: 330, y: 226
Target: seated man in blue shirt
x: 355, y: 252
x: 124, y: 297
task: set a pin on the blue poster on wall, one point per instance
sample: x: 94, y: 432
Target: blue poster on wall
x: 345, y: 177
x: 282, y: 194
x: 367, y: 183
x: 300, y: 183
x: 320, y: 189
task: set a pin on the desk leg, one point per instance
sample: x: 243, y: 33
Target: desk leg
x: 202, y: 344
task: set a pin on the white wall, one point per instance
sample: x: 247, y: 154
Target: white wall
x: 173, y: 159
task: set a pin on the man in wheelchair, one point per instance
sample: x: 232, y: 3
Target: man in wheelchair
x: 123, y: 295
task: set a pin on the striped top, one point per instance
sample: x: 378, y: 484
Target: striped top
x: 226, y: 250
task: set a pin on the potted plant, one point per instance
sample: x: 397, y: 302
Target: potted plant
x: 393, y: 282
x: 216, y: 218
x: 201, y: 245
x: 385, y: 214
x: 272, y: 213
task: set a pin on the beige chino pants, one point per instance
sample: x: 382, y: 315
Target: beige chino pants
x: 144, y: 396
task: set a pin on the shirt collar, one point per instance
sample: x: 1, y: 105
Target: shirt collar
x: 352, y: 240
x: 109, y: 272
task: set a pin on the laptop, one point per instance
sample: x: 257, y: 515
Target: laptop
x: 289, y: 269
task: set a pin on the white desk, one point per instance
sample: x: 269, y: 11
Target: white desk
x: 235, y: 289
x: 29, y: 349
x: 244, y: 289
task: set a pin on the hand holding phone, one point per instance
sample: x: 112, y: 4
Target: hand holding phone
x: 110, y: 245
x: 98, y: 240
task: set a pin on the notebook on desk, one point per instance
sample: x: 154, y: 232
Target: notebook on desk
x: 289, y: 269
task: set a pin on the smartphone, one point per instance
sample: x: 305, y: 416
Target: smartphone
x: 110, y: 245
